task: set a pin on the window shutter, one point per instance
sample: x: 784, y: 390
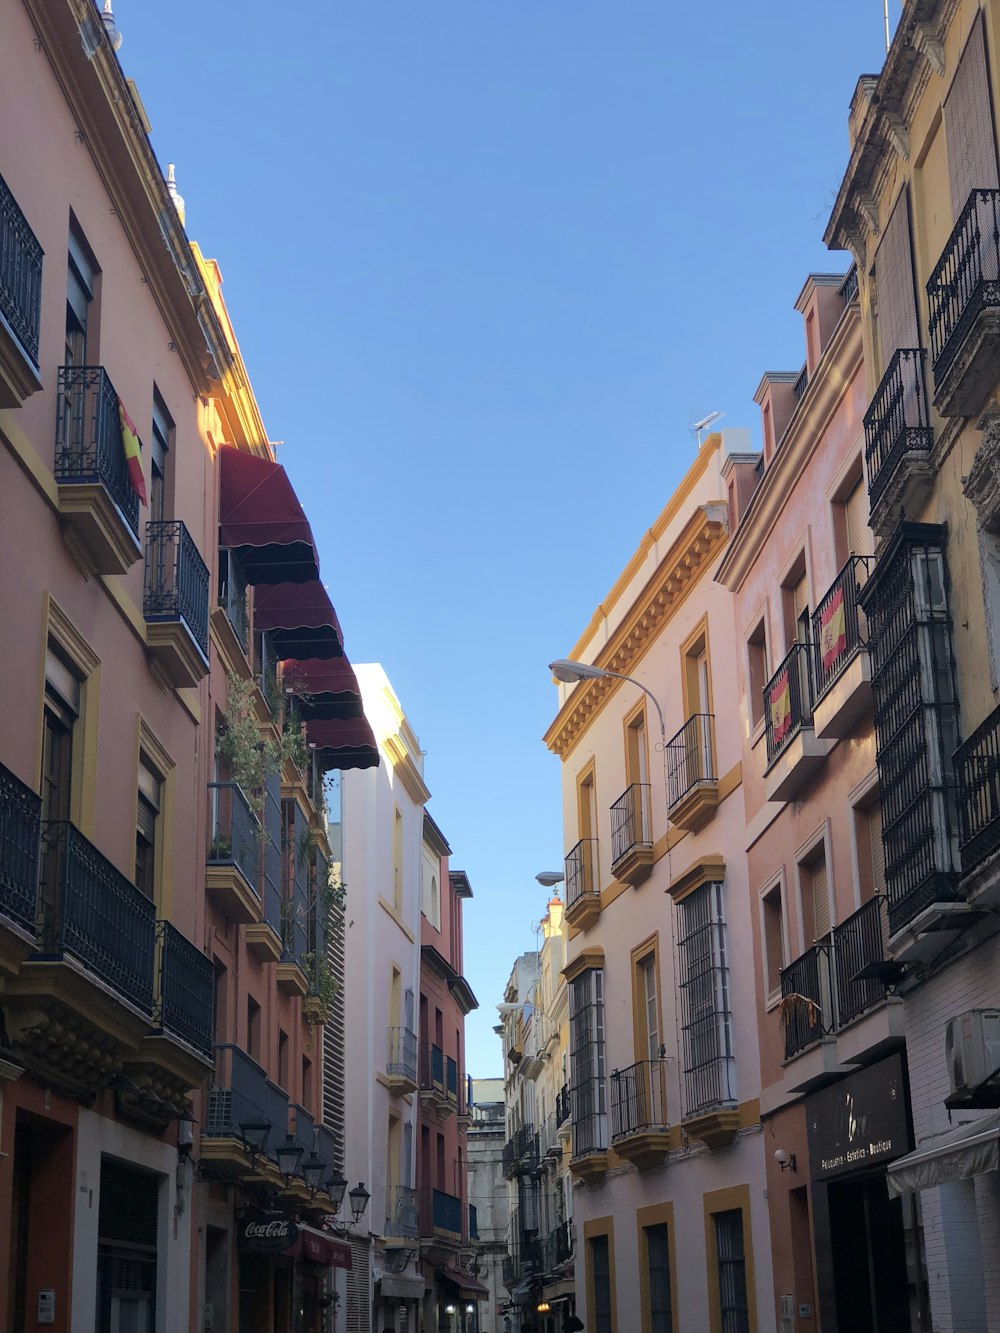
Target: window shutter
x: 897, y: 309
x: 968, y: 123
x: 800, y: 596
x: 877, y: 849
x: 820, y: 899
x: 127, y: 1213
x: 859, y: 541
x: 60, y: 681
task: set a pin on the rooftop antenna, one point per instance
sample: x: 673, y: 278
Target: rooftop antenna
x: 704, y: 423
x: 885, y: 15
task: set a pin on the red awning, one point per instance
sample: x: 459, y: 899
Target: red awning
x: 260, y: 517
x: 326, y: 688
x: 301, y: 620
x: 319, y: 1248
x: 467, y: 1283
x: 343, y: 744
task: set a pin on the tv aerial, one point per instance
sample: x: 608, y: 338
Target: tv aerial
x: 704, y: 423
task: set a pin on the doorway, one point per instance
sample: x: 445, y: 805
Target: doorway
x: 869, y: 1254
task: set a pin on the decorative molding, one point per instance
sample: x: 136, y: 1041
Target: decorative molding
x: 587, y: 959
x: 982, y: 485
x: 402, y: 763
x: 710, y: 869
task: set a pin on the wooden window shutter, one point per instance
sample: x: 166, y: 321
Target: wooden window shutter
x: 859, y: 541
x: 897, y: 307
x: 877, y: 848
x: 968, y: 123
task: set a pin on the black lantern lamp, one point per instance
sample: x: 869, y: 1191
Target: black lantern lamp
x: 336, y: 1187
x: 312, y: 1172
x: 359, y: 1197
x: 288, y: 1157
x: 254, y: 1134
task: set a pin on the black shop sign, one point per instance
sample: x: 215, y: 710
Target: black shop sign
x: 267, y: 1233
x: 860, y: 1122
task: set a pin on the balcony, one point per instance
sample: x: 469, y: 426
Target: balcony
x: 589, y: 1159
x: 899, y: 437
x: 433, y: 1091
x: 402, y: 1216
x: 451, y: 1080
x: 692, y: 782
x: 793, y: 750
x: 232, y: 872
x: 963, y: 296
x: 977, y: 770
x: 401, y: 1061
x: 807, y: 1012
x: 20, y: 303
x: 559, y: 1246
x: 639, y: 1128
x: 240, y: 1096
x: 441, y: 1217
x: 20, y: 830
x: 291, y: 973
x: 175, y: 603
x: 631, y: 835
x: 520, y: 1152
x: 233, y: 598
x: 99, y: 508
x: 841, y: 666
x: 562, y: 1106
x: 473, y: 1222
x: 583, y: 895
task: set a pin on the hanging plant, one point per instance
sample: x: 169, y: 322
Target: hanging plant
x: 253, y: 755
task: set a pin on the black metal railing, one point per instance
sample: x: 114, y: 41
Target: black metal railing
x: 525, y: 1142
x: 638, y: 1099
x: 294, y: 930
x: 849, y: 287
x: 91, y: 912
x: 691, y: 757
x: 185, y: 1003
x: 237, y: 1095
x: 326, y: 1147
x: 233, y: 596
x: 801, y: 383
x: 806, y: 999
x: 89, y: 445
x: 562, y: 1105
x: 451, y: 1079
x: 20, y: 274
x: 898, y: 420
x: 630, y: 821
x: 305, y: 1128
x: 235, y: 832
x: 276, y: 1107
x: 401, y: 1061
x: 176, y: 586
x: 581, y: 879
x: 508, y: 1270
x: 977, y: 770
x: 559, y: 1245
x: 839, y: 627
x: 473, y: 1222
x: 20, y: 828
x: 788, y: 700
x: 758, y: 467
x: 440, y: 1213
x: 966, y: 279
x: 402, y: 1216
x: 432, y: 1068
x: 858, y: 942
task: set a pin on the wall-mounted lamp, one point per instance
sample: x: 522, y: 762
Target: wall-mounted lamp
x: 786, y: 1160
x: 543, y: 1307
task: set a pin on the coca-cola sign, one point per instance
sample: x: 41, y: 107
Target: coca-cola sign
x: 268, y: 1233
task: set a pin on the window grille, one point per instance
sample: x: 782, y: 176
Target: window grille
x: 705, y: 1013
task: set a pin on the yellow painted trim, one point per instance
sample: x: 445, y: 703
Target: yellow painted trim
x: 388, y: 907
x: 130, y: 612
x: 726, y: 1200
x: 689, y: 651
x: 586, y: 778
x: 650, y: 946
x: 749, y: 1113
x: 614, y: 890
x: 30, y: 459
x: 399, y: 758
x: 635, y: 719
x: 592, y: 1229
x: 708, y: 869
x: 656, y: 1214
x: 83, y: 795
x: 585, y: 960
x: 163, y: 851
x: 730, y: 781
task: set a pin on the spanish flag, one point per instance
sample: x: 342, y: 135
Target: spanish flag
x: 781, y: 707
x: 130, y: 443
x: 833, y: 630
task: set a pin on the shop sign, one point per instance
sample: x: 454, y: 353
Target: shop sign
x: 267, y: 1233
x: 860, y: 1122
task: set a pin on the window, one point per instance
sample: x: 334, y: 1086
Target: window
x: 307, y: 1082
x: 397, y: 862
x: 704, y: 985
x: 647, y: 1008
x: 62, y: 708
x: 253, y: 1028
x: 146, y: 820
x: 587, y: 1089
x: 636, y: 752
x: 600, y: 1276
x: 160, y: 441
x: 814, y: 897
x: 850, y: 517
x: 772, y: 939
x: 81, y: 281
x: 734, y: 1310
x: 757, y: 671
x: 283, y: 1059
x: 657, y: 1243
x: 871, y: 852
x: 587, y: 804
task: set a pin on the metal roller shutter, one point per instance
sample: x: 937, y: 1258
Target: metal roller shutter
x: 859, y: 540
x: 968, y: 123
x: 897, y: 308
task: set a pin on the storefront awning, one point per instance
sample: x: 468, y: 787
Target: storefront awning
x: 968, y: 1150
x: 402, y: 1286
x: 326, y: 688
x: 468, y: 1285
x: 319, y: 1248
x: 260, y: 517
x: 343, y: 744
x: 300, y: 619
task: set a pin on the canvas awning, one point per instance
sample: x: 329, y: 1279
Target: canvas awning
x: 319, y: 1248
x: 261, y: 519
x: 402, y: 1286
x: 326, y: 688
x: 300, y: 619
x: 343, y: 744
x: 467, y: 1284
x: 965, y: 1151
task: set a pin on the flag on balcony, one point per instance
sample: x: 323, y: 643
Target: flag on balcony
x: 781, y: 707
x: 833, y: 630
x: 133, y: 458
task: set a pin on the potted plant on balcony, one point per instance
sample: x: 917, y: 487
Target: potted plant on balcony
x: 254, y: 755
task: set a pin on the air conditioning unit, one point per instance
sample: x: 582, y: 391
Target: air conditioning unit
x: 972, y: 1049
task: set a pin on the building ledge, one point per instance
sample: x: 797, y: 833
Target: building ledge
x: 19, y: 376
x: 847, y: 700
x: 645, y: 1150
x: 232, y: 894
x: 907, y: 488
x: 95, y: 529
x: 812, y: 1067
x: 590, y: 1169
x: 263, y: 942
x: 696, y: 807
x: 584, y: 912
x: 795, y: 765
x: 971, y: 374
x: 291, y: 979
x: 175, y: 652
x: 877, y: 1032
x: 635, y: 865
x: 716, y: 1129
x: 401, y: 1085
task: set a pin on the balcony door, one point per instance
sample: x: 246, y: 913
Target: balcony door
x: 637, y: 769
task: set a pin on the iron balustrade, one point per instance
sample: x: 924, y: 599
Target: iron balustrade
x: 326, y: 1148
x: 176, y: 585
x: 638, y: 1099
x: 839, y: 627
x: 801, y: 383
x: 562, y: 1105
x: 473, y: 1222
x: 509, y: 1270
x: 432, y: 1068
x: 402, y: 1216
x: 525, y: 1142
x: 581, y: 880
x: 91, y: 912
x: 89, y: 445
x: 758, y: 467
x: 559, y: 1245
x: 897, y: 421
x: 966, y: 279
x: 402, y: 1058
x: 507, y: 1158
x: 233, y: 596
x: 20, y: 274
x: 295, y: 905
x: 305, y: 1128
x: 858, y: 942
x: 451, y: 1079
x: 807, y: 1008
x: 276, y: 1108
x: 235, y: 832
x: 237, y: 1094
x: 186, y: 993
x: 630, y: 821
x: 20, y: 830
x: 788, y: 701
x: 440, y: 1213
x: 849, y: 287
x: 691, y: 757
x: 977, y: 770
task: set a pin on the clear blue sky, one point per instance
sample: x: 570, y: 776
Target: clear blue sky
x: 487, y: 261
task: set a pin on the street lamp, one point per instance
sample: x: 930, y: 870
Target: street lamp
x: 254, y: 1134
x: 288, y: 1157
x: 336, y: 1187
x: 550, y: 878
x: 359, y: 1197
x: 312, y: 1172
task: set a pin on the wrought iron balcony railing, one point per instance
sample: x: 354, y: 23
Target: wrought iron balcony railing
x: 186, y: 992
x: 630, y: 821
x: 20, y: 829
x: 276, y: 1107
x: 401, y: 1061
x: 849, y: 287
x: 441, y: 1214
x: 839, y: 627
x: 233, y: 596
x: 326, y: 1148
x: 559, y: 1245
x: 562, y: 1105
x: 977, y: 769
x: 509, y: 1270
x: 966, y: 279
x: 176, y: 586
x: 788, y: 701
x: 898, y: 420
x: 473, y: 1222
x: 858, y: 943
x: 236, y: 837
x: 691, y: 757
x: 451, y: 1079
x: 801, y: 384
x: 91, y: 912
x: 581, y: 879
x: 638, y: 1099
x: 432, y: 1068
x: 20, y: 274
x: 402, y: 1216
x: 520, y: 1152
x: 89, y: 445
x: 807, y: 999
